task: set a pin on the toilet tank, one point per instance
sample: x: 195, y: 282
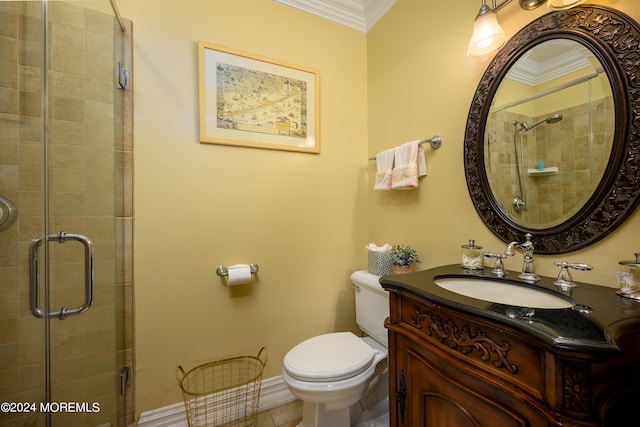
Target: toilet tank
x: 372, y: 305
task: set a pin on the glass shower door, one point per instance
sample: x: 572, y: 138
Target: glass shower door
x: 62, y: 322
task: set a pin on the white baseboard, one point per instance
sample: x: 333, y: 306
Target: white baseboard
x: 273, y: 392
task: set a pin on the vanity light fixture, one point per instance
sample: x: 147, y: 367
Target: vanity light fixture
x: 488, y: 35
x: 563, y: 4
x: 530, y: 4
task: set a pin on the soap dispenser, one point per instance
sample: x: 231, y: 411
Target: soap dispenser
x: 634, y: 267
x: 472, y: 256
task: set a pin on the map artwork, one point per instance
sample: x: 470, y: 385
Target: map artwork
x: 255, y: 101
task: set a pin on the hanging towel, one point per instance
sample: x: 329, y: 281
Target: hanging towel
x: 410, y: 165
x: 384, y: 167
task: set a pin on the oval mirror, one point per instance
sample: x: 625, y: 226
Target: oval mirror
x: 552, y: 137
x: 549, y: 133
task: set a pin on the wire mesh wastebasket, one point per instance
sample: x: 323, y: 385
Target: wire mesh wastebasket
x: 223, y: 393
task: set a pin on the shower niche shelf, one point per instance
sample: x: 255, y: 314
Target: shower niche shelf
x: 542, y: 172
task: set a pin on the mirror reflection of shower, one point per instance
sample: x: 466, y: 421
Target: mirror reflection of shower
x: 519, y: 202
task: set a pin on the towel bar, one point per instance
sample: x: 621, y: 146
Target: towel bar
x: 435, y: 141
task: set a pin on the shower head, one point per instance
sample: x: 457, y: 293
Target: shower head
x: 554, y: 119
x: 551, y: 119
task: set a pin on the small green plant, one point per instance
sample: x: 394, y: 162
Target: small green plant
x: 403, y: 255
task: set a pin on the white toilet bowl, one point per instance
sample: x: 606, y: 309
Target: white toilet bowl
x: 342, y: 379
x: 331, y: 373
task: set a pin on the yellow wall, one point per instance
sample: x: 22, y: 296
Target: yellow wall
x: 420, y: 82
x: 304, y: 218
x: 301, y: 217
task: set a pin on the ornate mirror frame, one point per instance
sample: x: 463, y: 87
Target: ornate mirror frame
x: 614, y: 39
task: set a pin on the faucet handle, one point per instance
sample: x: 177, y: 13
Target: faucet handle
x: 498, y: 268
x: 528, y: 267
x: 564, y: 277
x: 527, y: 245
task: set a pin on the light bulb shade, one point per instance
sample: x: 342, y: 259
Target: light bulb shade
x: 488, y: 35
x: 563, y: 4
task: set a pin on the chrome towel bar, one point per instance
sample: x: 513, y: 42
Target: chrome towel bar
x: 435, y: 142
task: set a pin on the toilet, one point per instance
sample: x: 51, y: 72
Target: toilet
x: 341, y: 378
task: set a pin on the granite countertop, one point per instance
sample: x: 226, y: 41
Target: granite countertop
x: 597, y: 319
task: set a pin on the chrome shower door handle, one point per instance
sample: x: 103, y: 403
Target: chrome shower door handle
x: 34, y: 279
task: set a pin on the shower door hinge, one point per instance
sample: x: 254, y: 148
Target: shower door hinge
x: 125, y: 379
x: 123, y: 77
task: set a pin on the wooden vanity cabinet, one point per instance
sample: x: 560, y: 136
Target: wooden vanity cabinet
x: 452, y: 368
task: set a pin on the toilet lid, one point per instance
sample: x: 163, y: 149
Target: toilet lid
x: 329, y: 357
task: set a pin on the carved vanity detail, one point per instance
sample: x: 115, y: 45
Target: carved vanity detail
x: 458, y: 361
x: 463, y: 339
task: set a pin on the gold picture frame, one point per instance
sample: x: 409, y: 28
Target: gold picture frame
x: 249, y: 100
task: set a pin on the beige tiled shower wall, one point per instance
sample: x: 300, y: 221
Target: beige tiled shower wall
x: 579, y: 146
x: 89, y: 161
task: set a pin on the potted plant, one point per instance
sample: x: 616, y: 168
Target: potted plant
x: 403, y: 257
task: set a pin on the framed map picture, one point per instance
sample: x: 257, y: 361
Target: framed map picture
x: 252, y: 101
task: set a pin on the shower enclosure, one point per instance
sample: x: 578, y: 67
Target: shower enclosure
x: 519, y: 202
x: 549, y: 134
x: 66, y: 344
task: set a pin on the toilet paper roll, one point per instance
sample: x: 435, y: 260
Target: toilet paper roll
x: 239, y: 274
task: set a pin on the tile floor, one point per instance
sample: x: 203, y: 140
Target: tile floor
x: 288, y: 415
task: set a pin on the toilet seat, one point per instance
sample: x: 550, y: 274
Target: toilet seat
x: 329, y: 357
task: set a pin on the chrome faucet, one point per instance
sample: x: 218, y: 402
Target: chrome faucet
x: 498, y: 268
x: 564, y: 279
x: 528, y: 268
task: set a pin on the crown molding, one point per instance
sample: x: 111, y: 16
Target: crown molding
x: 562, y: 58
x: 361, y: 15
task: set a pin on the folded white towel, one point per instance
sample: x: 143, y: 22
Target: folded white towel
x: 410, y: 165
x: 384, y: 167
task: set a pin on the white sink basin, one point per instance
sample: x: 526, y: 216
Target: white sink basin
x: 503, y: 293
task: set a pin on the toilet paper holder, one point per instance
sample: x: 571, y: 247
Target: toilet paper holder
x: 223, y: 271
